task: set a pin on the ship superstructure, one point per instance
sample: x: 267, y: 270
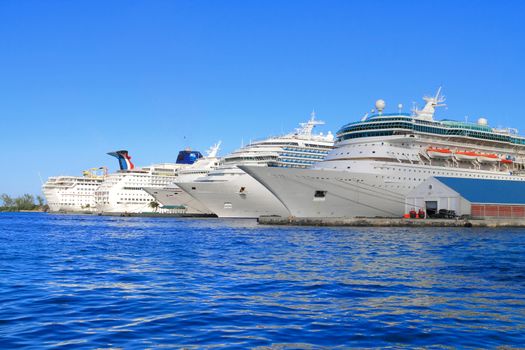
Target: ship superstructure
x: 228, y: 192
x: 172, y: 196
x: 122, y: 192
x: 73, y: 193
x: 379, y: 159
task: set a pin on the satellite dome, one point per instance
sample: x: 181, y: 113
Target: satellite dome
x: 483, y: 121
x: 380, y: 105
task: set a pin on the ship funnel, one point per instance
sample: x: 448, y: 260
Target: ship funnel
x: 188, y: 156
x: 124, y: 160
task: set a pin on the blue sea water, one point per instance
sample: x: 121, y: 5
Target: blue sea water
x: 71, y: 281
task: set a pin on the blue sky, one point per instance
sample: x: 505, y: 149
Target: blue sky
x: 81, y: 78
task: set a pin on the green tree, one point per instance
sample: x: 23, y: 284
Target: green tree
x: 41, y: 201
x: 154, y: 205
x: 7, y: 200
x: 25, y: 202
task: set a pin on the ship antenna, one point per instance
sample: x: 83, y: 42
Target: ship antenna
x: 212, y: 152
x: 306, y: 128
x: 427, y: 113
x: 437, y: 94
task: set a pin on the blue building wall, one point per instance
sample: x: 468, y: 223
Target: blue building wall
x: 487, y: 191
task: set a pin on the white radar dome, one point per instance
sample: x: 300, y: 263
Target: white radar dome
x: 483, y: 121
x: 380, y: 105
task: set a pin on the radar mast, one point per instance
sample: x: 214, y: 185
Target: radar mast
x: 307, y: 128
x: 427, y: 113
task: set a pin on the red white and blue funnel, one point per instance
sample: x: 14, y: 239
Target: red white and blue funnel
x: 124, y: 160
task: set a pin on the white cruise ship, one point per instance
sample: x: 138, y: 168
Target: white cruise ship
x: 73, y: 193
x: 122, y: 192
x: 229, y: 192
x: 379, y: 159
x: 172, y: 196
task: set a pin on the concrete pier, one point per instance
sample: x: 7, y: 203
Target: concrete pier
x: 152, y: 215
x: 159, y: 215
x: 390, y: 222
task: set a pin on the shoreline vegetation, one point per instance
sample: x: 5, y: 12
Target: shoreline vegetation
x: 24, y: 203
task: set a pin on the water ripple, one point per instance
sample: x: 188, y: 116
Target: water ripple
x: 100, y: 282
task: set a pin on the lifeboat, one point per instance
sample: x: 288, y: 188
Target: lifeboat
x: 466, y: 155
x: 507, y: 160
x: 488, y: 158
x: 442, y: 153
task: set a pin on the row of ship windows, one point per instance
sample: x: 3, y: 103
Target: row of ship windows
x: 295, y: 144
x: 413, y: 179
x: 68, y: 194
x: 360, y: 152
x: 433, y: 172
x: 64, y: 193
x: 382, y: 144
x: 302, y: 150
x: 166, y: 180
x: 297, y: 161
x: 355, y: 132
x: 412, y: 145
x: 385, y: 185
x: 318, y: 146
x: 364, y: 134
x: 105, y: 198
x: 74, y: 198
x: 72, y: 202
x: 302, y: 156
x: 126, y: 200
x: 237, y: 159
x: 287, y: 166
x: 63, y: 203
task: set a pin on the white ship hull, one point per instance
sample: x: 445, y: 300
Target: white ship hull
x: 227, y: 200
x: 346, y: 194
x: 121, y: 208
x: 70, y: 194
x: 134, y: 208
x: 52, y: 200
x: 378, y: 160
x: 56, y: 203
x: 176, y: 197
x: 229, y: 192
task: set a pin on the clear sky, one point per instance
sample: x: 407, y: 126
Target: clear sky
x: 81, y: 78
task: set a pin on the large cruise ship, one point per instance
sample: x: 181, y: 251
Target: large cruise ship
x: 379, y: 159
x: 229, y: 192
x: 73, y: 193
x: 122, y: 192
x: 172, y: 196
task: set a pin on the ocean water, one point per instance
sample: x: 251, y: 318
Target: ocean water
x: 89, y: 282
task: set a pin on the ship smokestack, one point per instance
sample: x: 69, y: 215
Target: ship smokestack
x: 124, y: 160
